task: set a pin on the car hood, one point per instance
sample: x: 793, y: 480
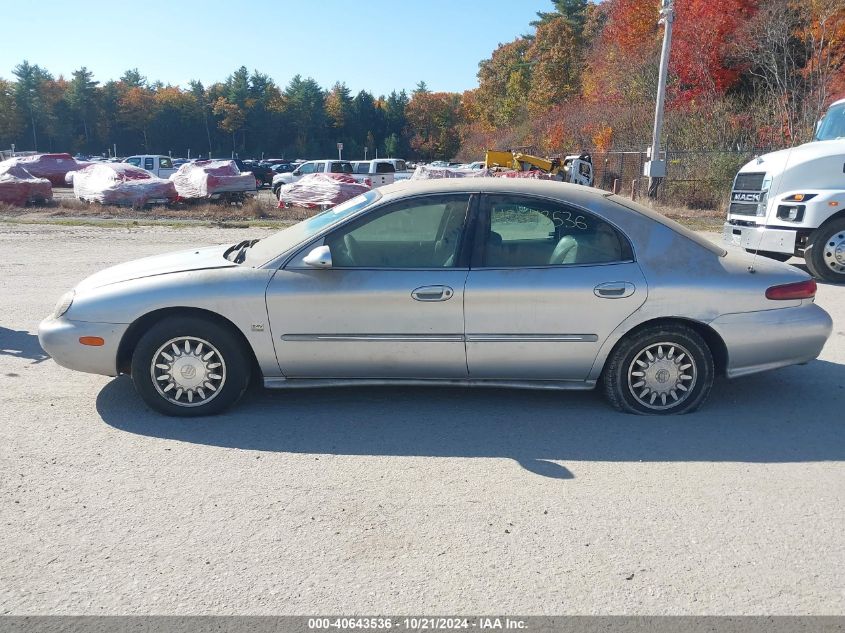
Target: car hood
x: 181, y: 261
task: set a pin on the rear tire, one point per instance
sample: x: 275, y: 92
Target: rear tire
x: 825, y: 252
x: 189, y: 366
x: 659, y: 370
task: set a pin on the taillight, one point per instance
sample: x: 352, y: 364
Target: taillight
x: 368, y: 182
x: 798, y: 290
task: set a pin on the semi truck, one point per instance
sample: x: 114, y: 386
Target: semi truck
x: 791, y: 203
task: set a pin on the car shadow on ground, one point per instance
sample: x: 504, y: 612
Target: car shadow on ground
x: 21, y: 344
x: 782, y: 416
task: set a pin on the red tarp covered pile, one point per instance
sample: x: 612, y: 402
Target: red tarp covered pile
x: 53, y: 167
x: 424, y: 172
x: 18, y: 186
x: 320, y: 190
x: 207, y: 178
x: 121, y: 184
x: 534, y: 173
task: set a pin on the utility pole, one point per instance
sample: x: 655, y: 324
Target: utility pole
x: 655, y: 168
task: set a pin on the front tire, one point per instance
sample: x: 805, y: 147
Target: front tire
x: 825, y: 252
x: 659, y: 370
x: 189, y: 366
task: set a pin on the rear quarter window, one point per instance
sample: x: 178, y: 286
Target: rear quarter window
x: 671, y: 224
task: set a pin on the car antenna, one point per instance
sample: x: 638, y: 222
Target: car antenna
x: 751, y: 268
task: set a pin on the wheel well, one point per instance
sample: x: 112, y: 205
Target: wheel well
x: 142, y: 324
x: 840, y: 215
x: 714, y: 342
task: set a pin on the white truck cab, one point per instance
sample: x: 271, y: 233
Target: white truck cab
x: 161, y: 166
x: 792, y: 202
x: 311, y: 167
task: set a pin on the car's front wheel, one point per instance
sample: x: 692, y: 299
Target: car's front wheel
x: 659, y: 370
x: 189, y: 366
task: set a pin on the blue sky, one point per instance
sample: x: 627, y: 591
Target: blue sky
x: 370, y: 45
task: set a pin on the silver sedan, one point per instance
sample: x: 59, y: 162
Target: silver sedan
x: 477, y: 282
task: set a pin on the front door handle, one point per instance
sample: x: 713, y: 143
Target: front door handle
x: 614, y: 290
x: 432, y: 293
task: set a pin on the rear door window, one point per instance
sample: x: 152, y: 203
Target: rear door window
x: 526, y: 232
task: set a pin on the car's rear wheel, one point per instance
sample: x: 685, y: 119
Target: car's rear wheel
x: 825, y: 252
x: 188, y: 366
x: 660, y: 370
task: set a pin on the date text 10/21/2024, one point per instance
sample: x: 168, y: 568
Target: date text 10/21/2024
x: 416, y: 623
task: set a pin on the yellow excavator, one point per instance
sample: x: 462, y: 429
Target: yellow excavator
x: 577, y: 168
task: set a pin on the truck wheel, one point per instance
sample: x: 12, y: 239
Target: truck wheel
x: 660, y: 370
x: 825, y: 252
x: 780, y: 257
x: 187, y: 366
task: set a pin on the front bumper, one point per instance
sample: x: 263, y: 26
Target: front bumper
x: 768, y: 339
x: 60, y: 339
x: 759, y: 238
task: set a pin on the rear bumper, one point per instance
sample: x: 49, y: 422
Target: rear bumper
x: 60, y: 339
x: 759, y: 341
x: 759, y: 238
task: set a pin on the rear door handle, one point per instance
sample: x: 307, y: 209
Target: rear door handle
x: 432, y: 293
x: 614, y: 290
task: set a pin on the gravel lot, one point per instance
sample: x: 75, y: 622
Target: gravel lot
x: 402, y: 500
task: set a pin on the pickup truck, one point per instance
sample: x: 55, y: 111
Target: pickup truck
x: 377, y: 172
x: 263, y: 174
x: 161, y: 166
x: 313, y: 167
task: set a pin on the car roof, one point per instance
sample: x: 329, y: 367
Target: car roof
x: 547, y: 188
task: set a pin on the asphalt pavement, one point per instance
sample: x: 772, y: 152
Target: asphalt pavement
x: 402, y: 501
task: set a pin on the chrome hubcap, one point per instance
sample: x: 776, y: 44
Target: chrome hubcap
x: 188, y: 371
x: 834, y: 252
x: 662, y: 376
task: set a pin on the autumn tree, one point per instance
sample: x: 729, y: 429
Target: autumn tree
x: 433, y: 118
x: 705, y: 34
x: 557, y: 61
x: 232, y: 118
x: 338, y: 109
x: 137, y: 111
x: 504, y: 81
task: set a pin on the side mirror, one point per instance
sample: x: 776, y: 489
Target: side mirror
x: 320, y: 257
x: 296, y: 172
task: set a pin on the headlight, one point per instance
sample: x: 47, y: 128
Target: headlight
x: 64, y: 304
x: 764, y: 198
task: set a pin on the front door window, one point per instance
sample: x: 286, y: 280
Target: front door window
x: 419, y: 233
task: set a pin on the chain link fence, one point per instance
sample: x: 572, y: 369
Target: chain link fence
x: 695, y: 178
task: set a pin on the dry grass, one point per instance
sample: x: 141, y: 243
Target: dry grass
x: 262, y: 208
x: 695, y: 219
x: 258, y: 210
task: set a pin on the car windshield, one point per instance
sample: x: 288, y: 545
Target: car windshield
x: 271, y: 247
x: 832, y: 126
